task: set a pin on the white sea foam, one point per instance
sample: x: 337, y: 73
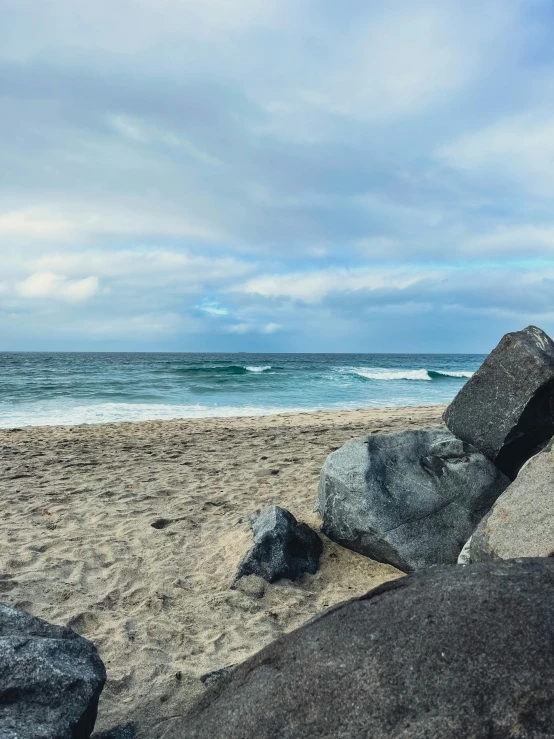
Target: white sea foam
x: 386, y: 374
x: 258, y: 369
x: 45, y: 415
x: 374, y: 373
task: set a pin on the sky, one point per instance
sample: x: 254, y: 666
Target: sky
x: 275, y: 175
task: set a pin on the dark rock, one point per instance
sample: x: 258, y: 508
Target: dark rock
x: 506, y: 410
x: 161, y: 523
x: 217, y: 676
x: 118, y: 732
x: 411, y: 499
x: 450, y: 652
x: 51, y: 679
x: 282, y: 547
x: 521, y: 522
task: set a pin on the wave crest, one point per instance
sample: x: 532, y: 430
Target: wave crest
x: 385, y: 374
x: 416, y: 374
x: 446, y: 373
x: 227, y: 369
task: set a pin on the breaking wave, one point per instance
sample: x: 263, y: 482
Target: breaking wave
x: 418, y: 374
x: 229, y: 369
x: 444, y: 373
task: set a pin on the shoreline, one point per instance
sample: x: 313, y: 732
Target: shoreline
x: 320, y: 412
x: 79, y: 547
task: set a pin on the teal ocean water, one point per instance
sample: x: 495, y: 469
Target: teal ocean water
x: 65, y: 388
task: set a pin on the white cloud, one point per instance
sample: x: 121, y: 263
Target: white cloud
x: 271, y: 328
x: 520, y: 241
x: 394, y: 64
x: 140, y: 325
x: 128, y: 128
x: 51, y: 285
x: 239, y: 328
x: 132, y: 27
x: 35, y: 223
x: 143, y: 132
x: 150, y: 266
x: 312, y: 287
x: 392, y: 61
x: 520, y: 148
x: 72, y: 221
x: 81, y: 289
x: 252, y: 328
x: 213, y: 308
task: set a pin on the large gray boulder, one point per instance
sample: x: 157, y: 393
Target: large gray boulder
x: 506, y: 410
x: 411, y: 499
x: 521, y: 522
x: 283, y: 547
x: 50, y: 679
x: 451, y: 652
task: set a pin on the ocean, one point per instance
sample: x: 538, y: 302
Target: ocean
x: 74, y: 388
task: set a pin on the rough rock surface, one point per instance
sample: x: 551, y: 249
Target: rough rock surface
x: 465, y: 555
x: 282, y: 547
x: 506, y: 410
x: 521, y: 522
x: 117, y: 732
x: 411, y: 499
x: 51, y: 679
x: 451, y: 652
x: 224, y: 673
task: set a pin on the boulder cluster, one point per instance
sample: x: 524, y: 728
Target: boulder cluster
x: 413, y: 499
x: 447, y: 651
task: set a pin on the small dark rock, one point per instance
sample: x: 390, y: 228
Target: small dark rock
x: 217, y: 676
x: 51, y: 679
x: 506, y: 410
x: 161, y: 523
x: 282, y: 547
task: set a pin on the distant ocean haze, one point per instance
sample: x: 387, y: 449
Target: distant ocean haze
x: 70, y: 389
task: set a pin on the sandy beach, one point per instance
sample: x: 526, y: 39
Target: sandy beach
x: 131, y: 534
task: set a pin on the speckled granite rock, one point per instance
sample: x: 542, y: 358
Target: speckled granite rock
x: 506, y: 410
x: 51, y: 679
x: 521, y: 522
x: 411, y: 499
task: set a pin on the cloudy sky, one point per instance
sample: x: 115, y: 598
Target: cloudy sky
x: 275, y: 175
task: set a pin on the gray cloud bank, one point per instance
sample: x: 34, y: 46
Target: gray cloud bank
x: 209, y: 175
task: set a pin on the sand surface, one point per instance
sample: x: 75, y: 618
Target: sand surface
x: 77, y: 545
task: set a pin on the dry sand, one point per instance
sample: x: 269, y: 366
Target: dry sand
x: 77, y: 545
